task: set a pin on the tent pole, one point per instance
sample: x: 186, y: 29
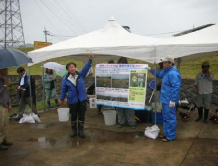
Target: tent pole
x: 30, y: 87
x: 179, y: 62
x: 43, y: 94
x: 155, y: 94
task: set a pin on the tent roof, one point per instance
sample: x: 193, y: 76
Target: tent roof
x: 193, y: 45
x: 113, y: 39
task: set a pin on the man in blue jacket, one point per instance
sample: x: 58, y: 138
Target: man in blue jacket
x: 73, y: 85
x: 170, y: 89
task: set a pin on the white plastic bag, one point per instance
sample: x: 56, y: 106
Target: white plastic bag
x: 35, y: 117
x: 27, y: 119
x: 152, y: 132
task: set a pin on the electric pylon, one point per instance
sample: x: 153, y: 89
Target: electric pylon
x: 11, y: 33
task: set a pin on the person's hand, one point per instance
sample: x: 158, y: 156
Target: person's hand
x: 9, y: 108
x: 148, y: 68
x: 62, y: 103
x: 19, y: 88
x: 172, y: 104
x: 91, y: 56
x: 7, y: 83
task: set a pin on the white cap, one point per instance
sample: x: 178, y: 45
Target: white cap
x: 168, y: 59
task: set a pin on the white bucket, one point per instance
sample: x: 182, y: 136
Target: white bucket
x: 63, y: 114
x: 110, y: 117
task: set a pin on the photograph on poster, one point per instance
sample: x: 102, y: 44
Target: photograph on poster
x: 137, y: 79
x: 120, y: 81
x: 103, y: 80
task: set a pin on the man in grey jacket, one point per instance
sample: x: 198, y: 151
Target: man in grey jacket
x: 204, y: 88
x: 5, y: 107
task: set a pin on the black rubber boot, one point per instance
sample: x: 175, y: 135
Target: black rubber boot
x: 7, y: 143
x: 99, y: 109
x: 200, y: 113
x: 206, y: 112
x: 49, y: 104
x: 3, y: 147
x: 74, y: 128
x: 56, y: 102
x: 80, y: 127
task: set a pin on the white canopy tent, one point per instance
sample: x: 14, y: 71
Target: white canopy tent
x: 193, y: 45
x: 112, y: 40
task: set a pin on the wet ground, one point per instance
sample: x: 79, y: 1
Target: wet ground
x: 48, y: 144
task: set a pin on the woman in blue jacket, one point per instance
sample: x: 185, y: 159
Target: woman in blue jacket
x: 169, y: 96
x: 73, y: 85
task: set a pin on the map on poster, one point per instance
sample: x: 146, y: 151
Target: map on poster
x: 121, y: 85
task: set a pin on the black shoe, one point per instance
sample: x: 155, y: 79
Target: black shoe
x: 3, y: 147
x: 99, y: 113
x: 80, y: 127
x: 6, y: 143
x: 18, y: 118
x: 56, y: 102
x: 199, y: 118
x: 49, y: 104
x: 74, y: 128
x: 206, y: 112
x: 200, y: 113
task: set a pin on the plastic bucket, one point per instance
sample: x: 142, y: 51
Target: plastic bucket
x: 63, y: 114
x: 110, y: 117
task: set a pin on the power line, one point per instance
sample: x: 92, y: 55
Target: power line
x: 47, y: 17
x: 58, y: 17
x: 70, y: 11
x: 61, y: 16
x: 73, y: 20
x: 61, y: 13
x: 57, y: 9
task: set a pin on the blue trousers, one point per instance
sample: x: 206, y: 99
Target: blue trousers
x: 169, y: 121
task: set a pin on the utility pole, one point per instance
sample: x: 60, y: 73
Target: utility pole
x: 43, y: 96
x: 46, y: 33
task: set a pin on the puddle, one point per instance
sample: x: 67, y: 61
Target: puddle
x: 45, y: 126
x: 102, y: 136
x: 92, y: 136
x: 46, y: 142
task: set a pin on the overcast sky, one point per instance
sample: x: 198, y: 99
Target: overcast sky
x: 144, y: 17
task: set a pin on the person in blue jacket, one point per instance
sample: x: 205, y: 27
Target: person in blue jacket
x: 169, y: 96
x: 73, y: 85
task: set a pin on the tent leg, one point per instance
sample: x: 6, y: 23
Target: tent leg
x: 31, y: 99
x: 178, y: 64
x: 155, y: 94
x: 43, y: 94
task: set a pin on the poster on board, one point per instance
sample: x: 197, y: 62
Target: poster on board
x: 121, y: 85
